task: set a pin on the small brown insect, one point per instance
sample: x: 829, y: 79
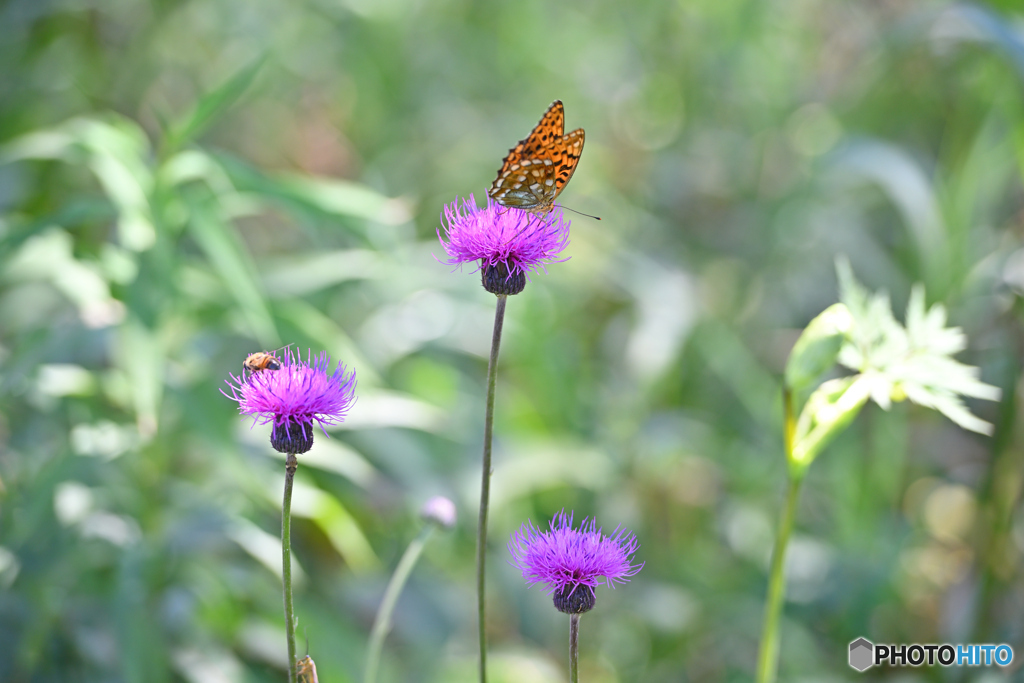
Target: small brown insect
x: 261, y: 361
x: 306, y: 670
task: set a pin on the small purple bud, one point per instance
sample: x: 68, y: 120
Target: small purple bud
x: 440, y: 511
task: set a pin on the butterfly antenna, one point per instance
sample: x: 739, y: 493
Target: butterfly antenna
x: 596, y: 218
x: 305, y: 631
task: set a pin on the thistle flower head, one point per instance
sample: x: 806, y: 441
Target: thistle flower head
x: 507, y: 242
x: 572, y: 562
x: 295, y: 396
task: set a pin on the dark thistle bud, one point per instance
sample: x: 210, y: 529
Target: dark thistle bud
x: 496, y: 279
x: 292, y: 437
x: 574, y: 599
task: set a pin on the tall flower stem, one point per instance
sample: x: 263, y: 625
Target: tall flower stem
x: 574, y: 648
x: 286, y: 562
x: 485, y: 485
x: 382, y: 623
x: 768, y: 656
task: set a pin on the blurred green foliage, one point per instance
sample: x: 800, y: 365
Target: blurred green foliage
x: 184, y: 183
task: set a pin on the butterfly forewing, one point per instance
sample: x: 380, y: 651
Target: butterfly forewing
x: 538, y: 168
x: 550, y: 127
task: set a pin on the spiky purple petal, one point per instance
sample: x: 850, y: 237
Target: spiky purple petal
x: 563, y: 556
x: 521, y: 241
x: 300, y: 392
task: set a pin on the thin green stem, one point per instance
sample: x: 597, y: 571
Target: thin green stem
x: 382, y: 623
x: 574, y: 648
x: 768, y: 656
x: 286, y: 562
x: 485, y: 485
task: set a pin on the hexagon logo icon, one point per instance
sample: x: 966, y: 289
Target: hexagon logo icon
x: 861, y: 654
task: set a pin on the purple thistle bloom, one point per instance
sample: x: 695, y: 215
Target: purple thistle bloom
x: 295, y: 396
x: 565, y: 559
x: 508, y: 242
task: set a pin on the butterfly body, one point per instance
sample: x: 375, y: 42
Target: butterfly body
x: 539, y: 167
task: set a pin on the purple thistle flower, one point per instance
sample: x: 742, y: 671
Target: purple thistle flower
x: 508, y: 242
x: 566, y: 559
x: 295, y: 396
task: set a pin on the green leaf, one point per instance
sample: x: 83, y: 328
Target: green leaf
x: 323, y: 195
x: 143, y: 359
x: 210, y: 106
x: 264, y: 547
x: 117, y: 151
x: 332, y: 455
x: 229, y: 258
x: 537, y: 465
x: 818, y: 346
x: 728, y: 356
x: 828, y: 411
x: 325, y: 332
x: 45, y: 144
x: 345, y: 198
x: 73, y: 212
x: 338, y: 524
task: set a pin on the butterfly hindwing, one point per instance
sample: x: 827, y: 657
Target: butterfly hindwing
x: 538, y: 168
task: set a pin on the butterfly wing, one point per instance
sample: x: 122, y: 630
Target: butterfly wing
x: 549, y: 129
x: 564, y: 158
x: 538, y: 168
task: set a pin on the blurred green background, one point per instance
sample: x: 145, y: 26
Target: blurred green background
x: 184, y: 183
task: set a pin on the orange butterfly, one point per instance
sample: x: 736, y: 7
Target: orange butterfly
x: 539, y: 167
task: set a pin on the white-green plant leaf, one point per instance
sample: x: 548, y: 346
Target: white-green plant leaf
x: 818, y: 346
x: 828, y: 411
